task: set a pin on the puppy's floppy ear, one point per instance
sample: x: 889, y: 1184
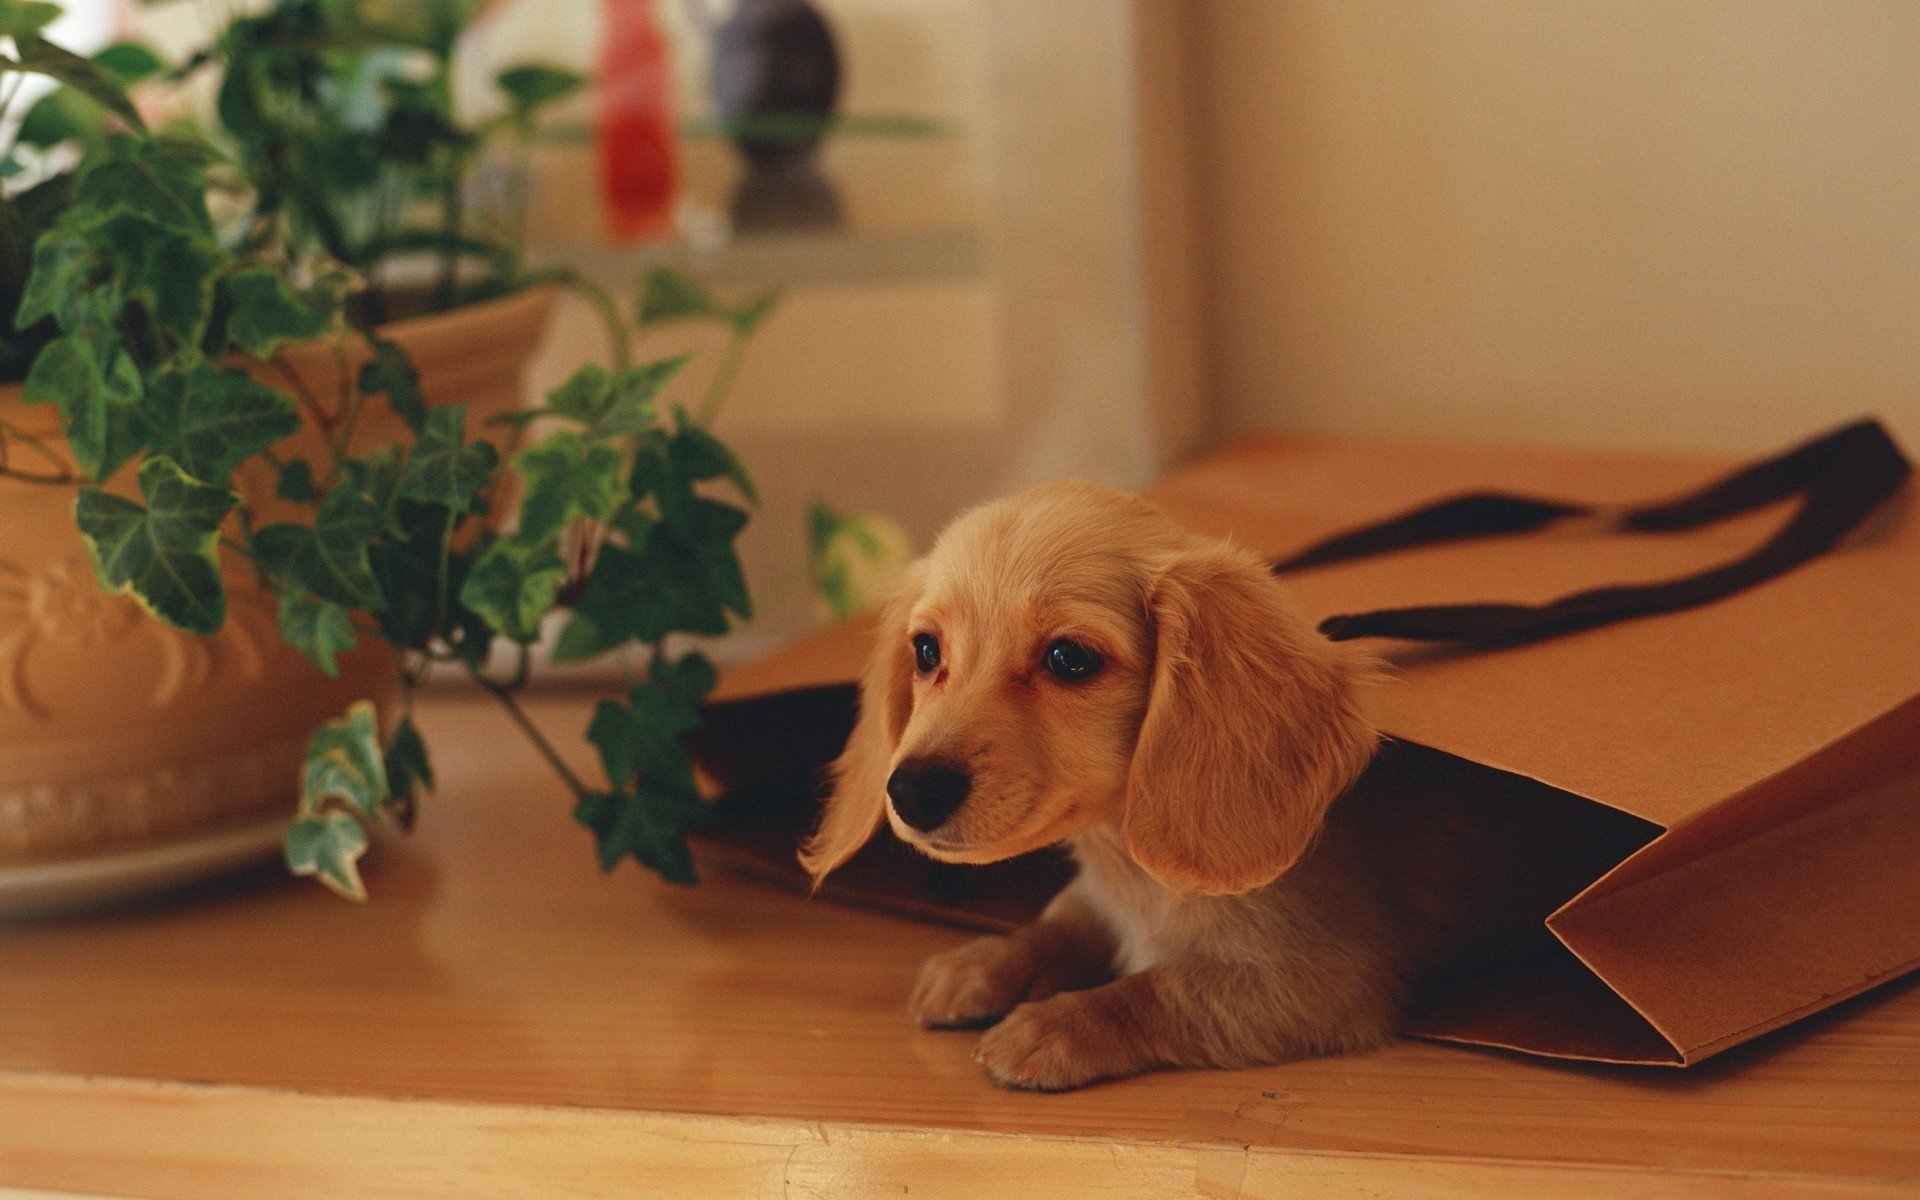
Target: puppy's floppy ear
x: 859, y: 797
x: 1253, y: 728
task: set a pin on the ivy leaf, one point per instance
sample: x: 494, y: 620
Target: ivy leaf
x: 420, y: 601
x: 99, y: 410
x: 513, y: 585
x: 329, y: 558
x: 408, y: 770
x: 567, y: 475
x: 659, y: 583
x: 641, y: 736
x: 328, y: 848
x: 391, y: 373
x: 263, y: 313
x: 91, y: 79
x: 131, y: 61
x: 612, y: 404
x: 64, y: 269
x: 343, y: 765
x: 668, y: 295
x: 319, y: 629
x: 695, y: 454
x: 163, y: 552
x: 210, y: 421
x: 161, y: 179
x: 21, y: 17
x: 749, y: 316
x: 653, y: 799
x: 635, y: 824
x: 852, y: 557
x: 296, y: 482
x: 534, y: 85
x: 166, y: 269
x: 443, y: 467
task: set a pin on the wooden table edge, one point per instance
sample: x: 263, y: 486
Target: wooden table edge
x: 141, y: 1138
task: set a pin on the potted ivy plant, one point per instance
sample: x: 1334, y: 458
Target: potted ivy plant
x: 207, y: 557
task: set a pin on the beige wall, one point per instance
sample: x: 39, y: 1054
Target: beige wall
x: 1637, y: 222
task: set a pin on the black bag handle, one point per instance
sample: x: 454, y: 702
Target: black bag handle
x: 1841, y: 477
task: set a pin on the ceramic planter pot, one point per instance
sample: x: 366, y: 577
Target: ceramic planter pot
x: 133, y: 754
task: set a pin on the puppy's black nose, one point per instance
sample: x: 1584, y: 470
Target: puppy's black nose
x: 926, y: 793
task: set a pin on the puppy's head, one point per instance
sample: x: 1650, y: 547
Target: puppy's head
x: 1069, y: 655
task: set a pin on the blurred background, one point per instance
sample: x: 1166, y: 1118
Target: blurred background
x: 1070, y: 237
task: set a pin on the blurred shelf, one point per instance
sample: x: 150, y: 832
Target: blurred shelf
x: 827, y: 258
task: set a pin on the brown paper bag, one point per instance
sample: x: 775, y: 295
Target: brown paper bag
x: 1728, y: 795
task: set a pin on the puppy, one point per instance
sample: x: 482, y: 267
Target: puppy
x: 1070, y: 665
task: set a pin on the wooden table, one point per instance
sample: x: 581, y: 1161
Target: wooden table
x: 501, y: 1020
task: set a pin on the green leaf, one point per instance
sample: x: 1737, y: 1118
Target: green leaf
x: 92, y: 80
x: 210, y: 421
x: 659, y: 583
x: 613, y: 404
x: 296, y: 483
x: 391, y: 373
x: 20, y: 17
x: 162, y: 180
x: 328, y: 848
x: 343, y: 765
x: 319, y: 629
x: 168, y: 270
x: 667, y: 295
x: 749, y: 316
x: 533, y: 85
x: 696, y: 454
x: 852, y: 557
x: 642, y: 735
x: 62, y: 115
x: 263, y: 313
x: 99, y: 410
x: 635, y: 824
x: 420, y: 597
x: 329, y: 559
x: 409, y: 772
x: 443, y: 467
x: 164, y: 552
x: 64, y: 269
x: 653, y: 798
x: 131, y: 61
x: 567, y: 475
x: 512, y: 586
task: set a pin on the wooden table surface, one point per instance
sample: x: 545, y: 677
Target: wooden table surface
x: 501, y: 1020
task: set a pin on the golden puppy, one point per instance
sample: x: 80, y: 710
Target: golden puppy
x: 1069, y: 665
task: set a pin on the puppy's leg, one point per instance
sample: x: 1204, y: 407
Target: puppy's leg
x: 978, y: 983
x: 1188, y: 1012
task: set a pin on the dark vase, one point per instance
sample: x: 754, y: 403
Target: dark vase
x: 775, y: 64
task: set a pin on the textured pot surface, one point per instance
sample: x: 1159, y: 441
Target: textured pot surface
x: 117, y: 730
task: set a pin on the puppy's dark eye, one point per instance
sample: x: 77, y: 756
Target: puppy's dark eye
x: 926, y: 652
x: 1069, y: 660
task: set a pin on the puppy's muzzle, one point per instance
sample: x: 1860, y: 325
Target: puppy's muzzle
x: 925, y: 793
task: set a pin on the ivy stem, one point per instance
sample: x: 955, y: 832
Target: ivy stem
x: 504, y: 693
x: 619, y: 337
x: 64, y: 474
x: 716, y: 396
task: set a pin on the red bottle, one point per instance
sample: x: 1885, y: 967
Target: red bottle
x: 638, y: 154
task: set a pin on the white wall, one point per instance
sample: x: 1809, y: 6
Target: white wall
x: 1640, y: 222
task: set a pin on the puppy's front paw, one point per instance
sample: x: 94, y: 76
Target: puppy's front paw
x: 1055, y: 1045
x: 973, y: 985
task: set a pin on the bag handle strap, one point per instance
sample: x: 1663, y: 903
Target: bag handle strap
x: 1840, y: 477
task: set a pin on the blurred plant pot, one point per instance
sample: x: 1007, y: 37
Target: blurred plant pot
x: 133, y: 754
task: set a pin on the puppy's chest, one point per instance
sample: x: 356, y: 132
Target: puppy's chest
x: 1149, y: 923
